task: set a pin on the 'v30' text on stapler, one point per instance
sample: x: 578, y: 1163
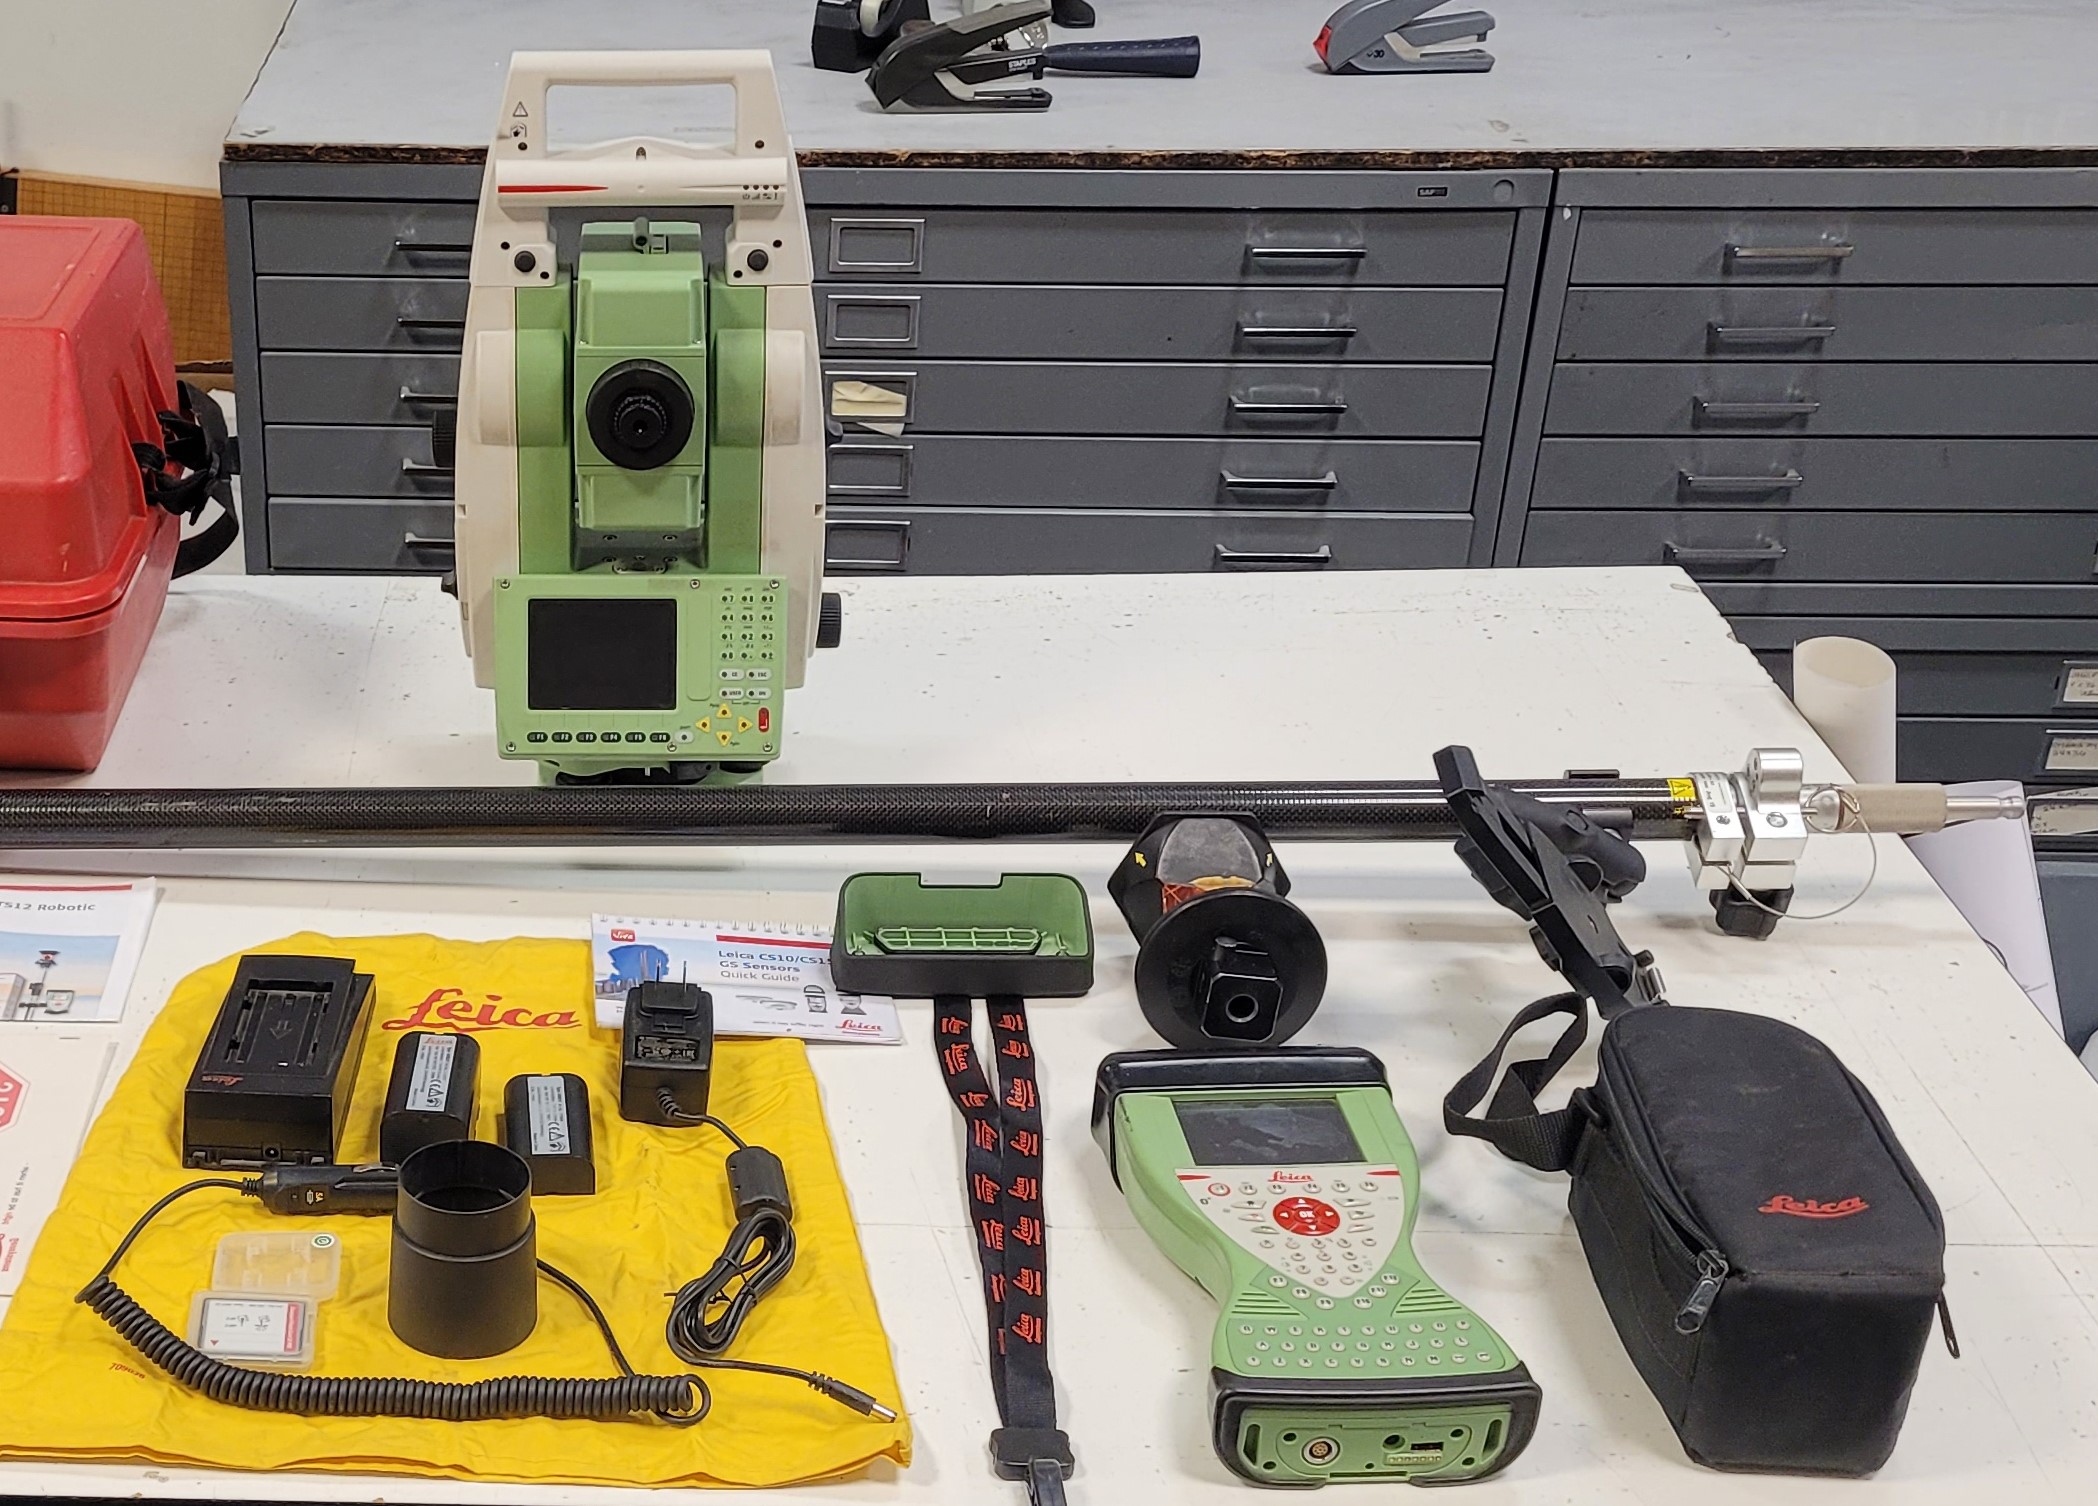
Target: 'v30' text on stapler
x: 1398, y: 36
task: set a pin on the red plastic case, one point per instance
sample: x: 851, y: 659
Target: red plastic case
x: 86, y: 367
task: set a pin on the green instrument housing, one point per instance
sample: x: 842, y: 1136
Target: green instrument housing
x: 639, y: 631
x: 1283, y: 1181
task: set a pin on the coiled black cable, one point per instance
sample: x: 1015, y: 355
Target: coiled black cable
x: 680, y: 1399
x: 709, y: 1310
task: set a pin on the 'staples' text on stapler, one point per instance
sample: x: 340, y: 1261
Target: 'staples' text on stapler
x: 1398, y: 36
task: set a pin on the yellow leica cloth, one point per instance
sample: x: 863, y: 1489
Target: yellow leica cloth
x: 77, y: 1391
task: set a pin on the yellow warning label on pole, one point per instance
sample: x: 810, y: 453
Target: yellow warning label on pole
x: 1684, y: 790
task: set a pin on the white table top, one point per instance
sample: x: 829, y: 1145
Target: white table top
x: 1571, y: 76
x: 1350, y: 675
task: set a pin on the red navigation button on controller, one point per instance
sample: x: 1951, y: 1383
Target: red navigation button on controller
x: 1306, y: 1215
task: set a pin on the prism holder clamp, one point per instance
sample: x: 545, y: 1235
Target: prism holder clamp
x: 1284, y: 1182
x: 1559, y: 870
x: 1399, y: 36
x: 1223, y: 958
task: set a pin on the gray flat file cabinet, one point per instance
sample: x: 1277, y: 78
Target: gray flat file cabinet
x: 1852, y: 401
x: 1024, y: 371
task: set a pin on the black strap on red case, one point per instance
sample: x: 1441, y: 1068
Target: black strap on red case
x: 194, y: 464
x: 1003, y: 1169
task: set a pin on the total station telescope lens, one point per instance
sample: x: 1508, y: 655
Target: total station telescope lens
x: 640, y: 415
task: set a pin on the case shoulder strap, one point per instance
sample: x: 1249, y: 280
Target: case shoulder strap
x: 1512, y: 1123
x: 195, y: 441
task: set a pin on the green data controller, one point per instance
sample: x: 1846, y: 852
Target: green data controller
x: 1283, y: 1181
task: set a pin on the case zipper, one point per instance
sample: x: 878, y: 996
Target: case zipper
x: 1711, y: 1275
x: 1659, y: 1184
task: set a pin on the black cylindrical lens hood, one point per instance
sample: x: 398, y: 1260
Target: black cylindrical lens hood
x: 465, y: 1282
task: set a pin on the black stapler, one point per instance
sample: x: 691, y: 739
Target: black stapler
x: 944, y: 67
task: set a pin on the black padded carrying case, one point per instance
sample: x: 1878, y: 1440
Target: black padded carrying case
x: 1770, y: 1257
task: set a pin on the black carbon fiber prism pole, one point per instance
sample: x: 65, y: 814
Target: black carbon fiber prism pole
x: 612, y: 816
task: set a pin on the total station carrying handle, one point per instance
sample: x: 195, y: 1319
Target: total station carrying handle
x: 753, y: 173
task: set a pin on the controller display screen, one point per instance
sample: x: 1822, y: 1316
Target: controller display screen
x: 1266, y: 1131
x: 601, y: 654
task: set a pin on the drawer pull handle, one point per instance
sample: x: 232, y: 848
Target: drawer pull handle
x: 1307, y: 253
x: 1274, y: 559
x: 1288, y: 410
x: 1783, y: 481
x: 1749, y: 412
x: 1236, y: 483
x: 1721, y: 335
x: 419, y: 468
x: 406, y: 321
x: 434, y: 248
x: 901, y: 527
x: 1297, y: 331
x: 430, y: 399
x: 1831, y: 251
x: 1763, y: 552
x: 414, y: 540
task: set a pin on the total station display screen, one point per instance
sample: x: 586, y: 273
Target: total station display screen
x: 600, y: 654
x: 1266, y: 1131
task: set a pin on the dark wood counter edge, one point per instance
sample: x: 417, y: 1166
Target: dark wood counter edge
x: 1878, y: 157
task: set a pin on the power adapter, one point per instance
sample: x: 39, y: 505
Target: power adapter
x: 666, y: 1053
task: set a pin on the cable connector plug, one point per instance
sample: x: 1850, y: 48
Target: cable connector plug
x: 325, y: 1189
x: 851, y: 1396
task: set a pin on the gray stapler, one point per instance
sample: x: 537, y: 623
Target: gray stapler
x: 1398, y: 36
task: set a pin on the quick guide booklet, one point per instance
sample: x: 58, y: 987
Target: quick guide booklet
x: 766, y: 978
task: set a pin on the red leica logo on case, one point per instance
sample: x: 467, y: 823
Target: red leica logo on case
x: 1813, y: 1208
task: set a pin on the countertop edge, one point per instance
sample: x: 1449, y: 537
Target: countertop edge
x: 1255, y: 159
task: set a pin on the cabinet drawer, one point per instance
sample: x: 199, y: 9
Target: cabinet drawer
x: 1309, y: 475
x: 1838, y: 245
x: 1957, y: 475
x: 353, y: 460
x: 360, y: 533
x: 1141, y: 397
x: 1759, y: 398
x: 1836, y: 324
x: 1372, y: 248
x: 1028, y: 541
x: 342, y: 387
x: 2044, y: 750
x: 344, y: 236
x: 2037, y: 548
x: 360, y: 313
x: 1747, y: 597
x: 1188, y: 324
x: 1951, y: 666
